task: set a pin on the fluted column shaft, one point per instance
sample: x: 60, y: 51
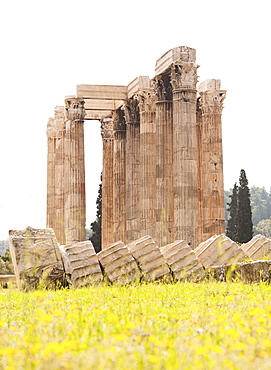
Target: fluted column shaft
x: 75, y: 198
x: 184, y: 79
x: 51, y: 147
x: 119, y: 168
x: 132, y: 170
x: 212, y: 163
x: 60, y: 175
x: 147, y: 163
x: 107, y: 182
x: 164, y: 161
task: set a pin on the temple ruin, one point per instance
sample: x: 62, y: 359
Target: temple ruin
x: 162, y: 157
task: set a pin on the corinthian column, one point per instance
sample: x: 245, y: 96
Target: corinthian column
x: 211, y: 102
x: 59, y: 175
x: 147, y: 162
x: 183, y: 80
x: 131, y: 111
x: 164, y: 160
x: 119, y: 169
x: 51, y: 148
x: 75, y: 199
x: 107, y: 182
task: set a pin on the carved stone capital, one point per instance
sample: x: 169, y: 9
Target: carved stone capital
x: 60, y: 118
x: 184, y: 76
x: 107, y: 128
x: 146, y: 100
x: 51, y: 128
x: 74, y: 109
x: 212, y: 101
x: 118, y: 120
x: 131, y: 111
x: 162, y: 88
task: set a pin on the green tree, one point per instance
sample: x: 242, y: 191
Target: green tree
x: 96, y: 226
x: 232, y: 208
x: 264, y: 228
x: 244, y: 214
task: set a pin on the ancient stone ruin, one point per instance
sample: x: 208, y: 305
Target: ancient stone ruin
x: 39, y: 261
x: 162, y: 157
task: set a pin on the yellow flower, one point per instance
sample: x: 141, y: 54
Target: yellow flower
x: 201, y: 351
x: 153, y: 359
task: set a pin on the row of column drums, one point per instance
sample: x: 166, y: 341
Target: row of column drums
x: 39, y: 261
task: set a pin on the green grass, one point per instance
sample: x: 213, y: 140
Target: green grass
x: 177, y: 326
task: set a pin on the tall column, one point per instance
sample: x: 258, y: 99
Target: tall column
x: 183, y: 80
x: 164, y: 160
x: 131, y: 111
x: 75, y: 198
x: 59, y: 175
x: 147, y: 163
x: 119, y: 169
x: 199, y: 140
x: 107, y: 133
x: 211, y: 100
x: 51, y: 147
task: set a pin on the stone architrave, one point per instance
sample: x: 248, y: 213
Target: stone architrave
x: 164, y: 160
x: 149, y: 259
x: 107, y: 133
x: 119, y: 173
x: 211, y: 166
x: 147, y: 110
x: 81, y: 264
x: 75, y: 198
x: 51, y: 188
x: 185, y: 157
x: 219, y: 250
x: 119, y: 264
x: 36, y: 258
x: 258, y: 247
x: 182, y: 261
x: 131, y: 112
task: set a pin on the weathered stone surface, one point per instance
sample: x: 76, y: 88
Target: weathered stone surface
x: 182, y: 261
x: 150, y: 259
x: 81, y: 264
x: 119, y: 264
x: 251, y: 272
x: 36, y: 258
x: 258, y: 247
x: 219, y: 250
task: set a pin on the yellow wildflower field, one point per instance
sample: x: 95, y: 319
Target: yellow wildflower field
x: 153, y: 326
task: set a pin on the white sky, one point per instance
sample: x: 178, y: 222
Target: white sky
x: 48, y: 47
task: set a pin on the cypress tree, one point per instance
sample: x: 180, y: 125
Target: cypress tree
x: 244, y: 214
x: 231, y: 230
x: 96, y: 226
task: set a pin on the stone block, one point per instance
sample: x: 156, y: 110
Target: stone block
x: 219, y: 250
x: 182, y: 261
x: 36, y: 258
x: 250, y: 272
x: 179, y: 54
x: 150, y: 259
x: 81, y: 264
x: 258, y: 247
x: 119, y: 264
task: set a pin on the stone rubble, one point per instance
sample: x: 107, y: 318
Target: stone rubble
x: 258, y: 247
x: 118, y: 264
x: 182, y: 261
x: 81, y: 264
x: 41, y: 262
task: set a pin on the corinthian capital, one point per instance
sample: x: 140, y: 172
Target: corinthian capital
x: 131, y: 111
x: 74, y: 109
x: 183, y: 76
x: 60, y: 118
x: 107, y: 129
x: 146, y: 100
x: 212, y: 101
x: 51, y: 128
x: 162, y: 87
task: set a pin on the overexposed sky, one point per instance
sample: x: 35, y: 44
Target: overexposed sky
x: 48, y: 47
